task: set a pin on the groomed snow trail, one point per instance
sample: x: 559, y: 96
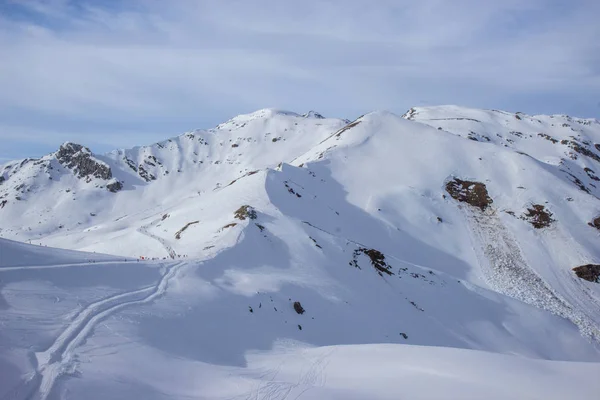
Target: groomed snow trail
x: 58, y: 358
x: 505, y: 270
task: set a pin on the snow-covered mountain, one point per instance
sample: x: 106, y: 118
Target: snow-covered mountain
x: 444, y: 227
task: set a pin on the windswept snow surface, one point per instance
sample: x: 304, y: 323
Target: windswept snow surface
x: 407, y: 293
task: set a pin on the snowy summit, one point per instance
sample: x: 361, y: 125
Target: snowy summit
x: 445, y: 253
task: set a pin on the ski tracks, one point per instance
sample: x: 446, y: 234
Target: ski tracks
x: 144, y: 231
x: 60, y: 356
x: 315, y: 376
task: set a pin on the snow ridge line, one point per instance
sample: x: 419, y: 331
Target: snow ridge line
x: 59, y: 358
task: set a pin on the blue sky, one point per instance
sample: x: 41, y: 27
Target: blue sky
x: 109, y: 73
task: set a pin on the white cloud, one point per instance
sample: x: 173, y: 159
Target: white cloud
x: 188, y: 60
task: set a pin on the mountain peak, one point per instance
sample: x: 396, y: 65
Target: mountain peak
x: 313, y: 114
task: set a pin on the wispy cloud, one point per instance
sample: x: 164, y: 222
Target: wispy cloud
x: 93, y: 68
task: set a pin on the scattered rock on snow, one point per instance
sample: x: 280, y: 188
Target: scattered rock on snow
x: 298, y: 307
x: 179, y: 232
x: 589, y: 272
x: 244, y: 212
x: 538, y: 216
x: 377, y: 260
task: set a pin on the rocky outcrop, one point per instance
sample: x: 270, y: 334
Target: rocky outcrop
x: 473, y: 193
x: 80, y: 159
x: 538, y: 216
x: 114, y: 186
x: 244, y: 212
x: 179, y: 232
x: 144, y: 174
x: 581, y: 149
x: 589, y: 272
x: 377, y: 260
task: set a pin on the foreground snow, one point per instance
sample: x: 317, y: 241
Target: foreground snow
x: 375, y: 371
x: 226, y: 328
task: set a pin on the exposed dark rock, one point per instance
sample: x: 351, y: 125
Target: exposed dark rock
x: 404, y: 335
x: 145, y: 175
x: 298, y: 307
x: 345, y: 128
x: 313, y: 114
x: 581, y: 149
x: 80, y: 160
x: 130, y: 163
x: 231, y: 225
x: 595, y: 223
x: 114, y: 186
x: 577, y: 182
x: 377, y: 260
x: 473, y: 193
x: 548, y: 137
x: 589, y: 272
x: 244, y: 212
x: 179, y: 232
x: 2, y: 179
x: 538, y: 216
x: 590, y: 172
x: 3, y: 203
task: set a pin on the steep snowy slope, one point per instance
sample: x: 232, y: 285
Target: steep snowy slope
x: 75, y: 199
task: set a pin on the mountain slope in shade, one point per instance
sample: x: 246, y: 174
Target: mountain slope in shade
x: 447, y: 227
x: 229, y: 326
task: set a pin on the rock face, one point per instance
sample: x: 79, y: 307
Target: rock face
x: 589, y: 272
x: 473, y: 193
x: 114, y: 186
x: 80, y: 160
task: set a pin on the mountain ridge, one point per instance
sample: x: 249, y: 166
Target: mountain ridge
x: 468, y: 229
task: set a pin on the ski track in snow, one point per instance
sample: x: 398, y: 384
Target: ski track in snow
x: 58, y: 359
x: 270, y: 388
x: 53, y: 266
x: 144, y: 231
x: 506, y: 271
